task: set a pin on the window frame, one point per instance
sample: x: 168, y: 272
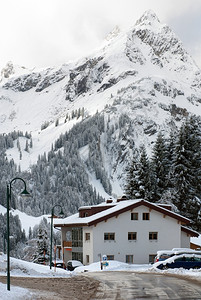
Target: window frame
x: 133, y: 236
x: 87, y: 236
x: 110, y: 256
x: 129, y: 258
x: 152, y: 235
x: 134, y: 214
x: 145, y: 216
x: 110, y: 235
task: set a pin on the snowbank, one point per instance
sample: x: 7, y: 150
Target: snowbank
x: 14, y: 293
x: 23, y: 268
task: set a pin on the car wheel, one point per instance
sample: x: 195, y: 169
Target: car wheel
x: 165, y: 267
x: 196, y: 267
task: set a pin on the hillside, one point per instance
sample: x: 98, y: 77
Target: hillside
x: 104, y: 106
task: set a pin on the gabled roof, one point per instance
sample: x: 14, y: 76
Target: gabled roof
x: 115, y: 210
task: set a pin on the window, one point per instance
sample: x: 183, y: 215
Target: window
x: 132, y: 236
x: 145, y: 216
x: 110, y: 236
x: 129, y: 259
x: 87, y: 259
x: 85, y: 214
x: 77, y: 237
x: 77, y: 256
x: 110, y: 257
x: 152, y: 258
x: 134, y: 216
x: 153, y: 235
x: 87, y: 236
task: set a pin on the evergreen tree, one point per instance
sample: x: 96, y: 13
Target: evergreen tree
x: 132, y: 180
x: 42, y: 254
x: 145, y: 176
x: 159, y: 166
x: 139, y: 177
x: 186, y: 170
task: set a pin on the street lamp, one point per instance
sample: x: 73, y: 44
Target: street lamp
x: 23, y: 193
x: 52, y: 216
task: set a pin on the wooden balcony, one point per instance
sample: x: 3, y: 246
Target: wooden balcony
x: 67, y: 244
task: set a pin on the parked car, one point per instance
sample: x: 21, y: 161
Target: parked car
x: 72, y: 264
x: 186, y: 261
x: 59, y: 264
x: 163, y: 254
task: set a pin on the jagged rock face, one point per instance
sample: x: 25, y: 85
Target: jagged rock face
x: 8, y: 70
x: 82, y: 78
x: 23, y: 83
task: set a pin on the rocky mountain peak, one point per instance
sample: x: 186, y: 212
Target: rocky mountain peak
x: 7, y: 70
x: 148, y: 18
x: 11, y: 70
x: 112, y: 34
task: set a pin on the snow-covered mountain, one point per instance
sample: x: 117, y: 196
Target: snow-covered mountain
x: 143, y: 79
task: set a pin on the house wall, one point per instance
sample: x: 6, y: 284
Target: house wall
x: 169, y: 236
x: 88, y: 245
x: 185, y: 240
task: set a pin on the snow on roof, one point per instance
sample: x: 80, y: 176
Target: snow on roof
x: 113, y: 209
x: 75, y: 219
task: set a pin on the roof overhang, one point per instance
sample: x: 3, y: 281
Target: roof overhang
x: 190, y: 231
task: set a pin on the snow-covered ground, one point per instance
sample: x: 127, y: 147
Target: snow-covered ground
x: 23, y: 268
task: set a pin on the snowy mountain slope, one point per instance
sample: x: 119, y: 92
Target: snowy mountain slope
x: 143, y: 79
x: 26, y: 220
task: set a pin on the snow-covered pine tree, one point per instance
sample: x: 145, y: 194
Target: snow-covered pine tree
x: 42, y: 254
x: 145, y: 177
x: 132, y: 179
x: 182, y: 175
x: 160, y: 166
x: 138, y: 181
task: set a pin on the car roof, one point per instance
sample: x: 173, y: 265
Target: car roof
x: 161, y: 252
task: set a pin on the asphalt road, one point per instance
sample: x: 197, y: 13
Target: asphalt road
x: 128, y: 285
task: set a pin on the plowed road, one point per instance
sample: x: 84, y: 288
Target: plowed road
x: 128, y: 285
x: 109, y: 286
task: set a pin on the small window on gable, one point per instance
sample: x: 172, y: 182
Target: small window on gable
x: 145, y: 216
x: 134, y: 216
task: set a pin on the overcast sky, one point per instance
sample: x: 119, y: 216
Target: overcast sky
x: 42, y: 33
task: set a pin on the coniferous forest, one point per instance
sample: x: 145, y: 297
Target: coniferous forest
x: 171, y: 174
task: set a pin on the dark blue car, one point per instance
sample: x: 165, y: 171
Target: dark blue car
x: 186, y: 261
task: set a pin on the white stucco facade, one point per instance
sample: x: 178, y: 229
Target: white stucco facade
x: 167, y: 228
x: 108, y: 231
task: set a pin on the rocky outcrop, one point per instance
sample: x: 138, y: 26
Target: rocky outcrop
x: 50, y: 79
x: 84, y: 77
x: 23, y: 83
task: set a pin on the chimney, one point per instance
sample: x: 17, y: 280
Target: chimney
x: 123, y: 198
x: 109, y: 200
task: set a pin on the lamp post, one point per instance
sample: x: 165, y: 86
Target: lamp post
x: 52, y: 216
x: 23, y: 193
